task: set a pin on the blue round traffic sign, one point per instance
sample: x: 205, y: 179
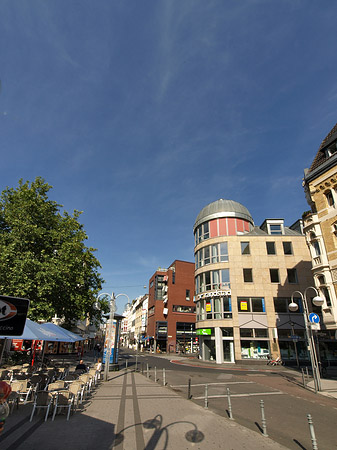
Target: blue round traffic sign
x: 314, y: 318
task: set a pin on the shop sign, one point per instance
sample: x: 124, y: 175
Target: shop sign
x: 13, y: 314
x: 214, y: 294
x: 204, y: 332
x: 243, y: 306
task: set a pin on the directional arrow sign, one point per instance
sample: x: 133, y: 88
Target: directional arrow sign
x: 314, y: 318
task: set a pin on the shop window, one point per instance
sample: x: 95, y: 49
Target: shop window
x: 251, y: 304
x: 261, y: 332
x: 258, y: 304
x: 274, y: 275
x: 227, y: 332
x: 246, y: 332
x: 271, y: 250
x: 248, y: 275
x: 287, y: 248
x: 245, y: 249
x: 292, y: 276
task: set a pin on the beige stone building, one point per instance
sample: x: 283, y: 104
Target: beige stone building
x: 244, y: 278
x: 320, y: 227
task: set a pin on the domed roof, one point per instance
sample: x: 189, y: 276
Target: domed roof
x: 223, y: 208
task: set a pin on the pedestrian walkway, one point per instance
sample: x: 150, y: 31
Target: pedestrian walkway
x: 131, y: 412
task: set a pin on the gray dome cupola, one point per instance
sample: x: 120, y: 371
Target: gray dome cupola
x: 223, y: 208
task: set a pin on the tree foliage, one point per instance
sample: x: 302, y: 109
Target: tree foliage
x: 43, y: 256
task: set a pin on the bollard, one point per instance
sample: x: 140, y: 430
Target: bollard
x: 164, y: 377
x: 303, y: 377
x: 155, y: 374
x: 263, y: 419
x: 312, y: 433
x: 189, y: 389
x: 206, y: 396
x: 229, y: 405
x: 126, y: 364
x: 147, y: 370
x: 136, y: 363
x: 306, y: 368
x: 142, y: 368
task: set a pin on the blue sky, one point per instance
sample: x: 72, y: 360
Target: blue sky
x: 140, y: 113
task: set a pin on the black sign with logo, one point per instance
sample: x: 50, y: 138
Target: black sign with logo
x: 13, y: 314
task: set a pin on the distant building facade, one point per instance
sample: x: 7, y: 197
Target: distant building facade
x: 171, y: 310
x: 320, y: 227
x: 244, y: 279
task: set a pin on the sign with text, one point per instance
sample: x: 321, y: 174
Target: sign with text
x: 204, y: 332
x: 13, y: 315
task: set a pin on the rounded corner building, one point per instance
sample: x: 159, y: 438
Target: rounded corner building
x: 244, y: 279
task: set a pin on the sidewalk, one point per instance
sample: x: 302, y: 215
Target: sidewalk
x: 131, y: 412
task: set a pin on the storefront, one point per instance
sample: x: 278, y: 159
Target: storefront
x: 216, y: 344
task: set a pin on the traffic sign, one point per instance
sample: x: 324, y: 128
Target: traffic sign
x: 313, y: 318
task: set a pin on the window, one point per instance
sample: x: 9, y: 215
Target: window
x: 212, y: 254
x: 159, y: 287
x: 281, y: 305
x: 213, y: 279
x: 223, y: 252
x: 201, y: 233
x: 287, y: 248
x: 317, y: 248
x: 245, y: 250
x: 254, y: 332
x: 330, y: 199
x: 292, y: 276
x: 188, y: 294
x: 251, y: 304
x: 248, y: 275
x: 274, y: 276
x: 183, y: 309
x: 324, y: 290
x: 271, y: 248
x: 275, y: 229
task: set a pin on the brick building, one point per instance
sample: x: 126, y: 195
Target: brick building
x: 171, y: 310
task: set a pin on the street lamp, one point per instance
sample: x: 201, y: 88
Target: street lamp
x: 317, y: 301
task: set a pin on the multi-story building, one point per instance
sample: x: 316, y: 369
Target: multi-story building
x: 140, y: 307
x: 320, y: 227
x: 171, y: 310
x: 244, y: 279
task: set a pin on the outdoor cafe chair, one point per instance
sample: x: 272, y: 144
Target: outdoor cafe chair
x: 87, y: 379
x: 55, y: 385
x: 77, y: 389
x: 42, y: 400
x: 26, y: 390
x: 64, y: 400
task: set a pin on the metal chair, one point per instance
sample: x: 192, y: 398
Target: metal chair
x: 42, y: 400
x: 77, y: 389
x: 55, y: 385
x: 64, y: 399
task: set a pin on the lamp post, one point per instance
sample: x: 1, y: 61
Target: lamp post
x: 317, y: 301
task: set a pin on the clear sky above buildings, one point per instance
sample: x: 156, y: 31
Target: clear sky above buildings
x: 139, y: 113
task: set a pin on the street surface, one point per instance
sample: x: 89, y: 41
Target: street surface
x: 286, y: 402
